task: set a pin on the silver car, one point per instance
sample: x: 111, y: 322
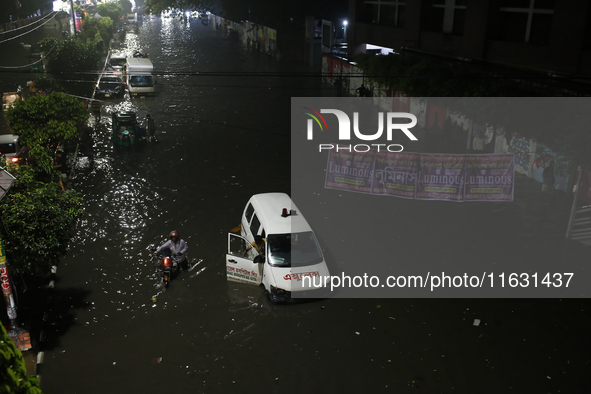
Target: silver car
x: 109, y: 86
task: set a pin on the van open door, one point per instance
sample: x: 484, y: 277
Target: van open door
x: 238, y: 267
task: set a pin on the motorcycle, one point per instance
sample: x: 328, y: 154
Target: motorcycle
x: 168, y: 266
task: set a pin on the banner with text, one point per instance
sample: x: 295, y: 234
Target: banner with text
x: 445, y: 177
x: 440, y: 177
x: 395, y: 174
x: 350, y: 171
x: 489, y: 177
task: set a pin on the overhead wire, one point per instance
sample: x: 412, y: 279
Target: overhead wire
x: 30, y: 64
x: 29, y: 25
x: 20, y: 35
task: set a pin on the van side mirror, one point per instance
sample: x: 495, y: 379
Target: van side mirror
x: 259, y: 259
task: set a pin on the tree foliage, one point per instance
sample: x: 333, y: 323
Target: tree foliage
x: 421, y: 77
x: 47, y: 84
x: 272, y: 13
x: 13, y: 373
x: 79, y: 11
x: 104, y: 27
x: 71, y: 54
x: 554, y: 121
x: 36, y: 218
x: 126, y: 5
x: 157, y: 6
x: 113, y: 10
x: 44, y: 121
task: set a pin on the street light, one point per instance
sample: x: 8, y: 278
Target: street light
x: 345, y: 23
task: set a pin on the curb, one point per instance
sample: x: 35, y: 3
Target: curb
x: 42, y: 333
x: 40, y: 357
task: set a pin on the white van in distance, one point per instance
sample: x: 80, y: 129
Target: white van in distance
x: 117, y: 62
x: 139, y: 78
x: 290, y: 258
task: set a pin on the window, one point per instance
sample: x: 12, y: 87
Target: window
x: 141, y: 81
x: 118, y: 61
x: 326, y: 35
x: 298, y: 249
x: 249, y: 212
x: 254, y: 225
x: 587, y: 35
x: 528, y: 21
x: 447, y: 16
x: 7, y: 148
x: 385, y: 12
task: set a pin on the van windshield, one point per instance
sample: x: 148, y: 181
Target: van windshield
x: 118, y: 62
x: 141, y: 81
x: 299, y: 249
x: 6, y: 149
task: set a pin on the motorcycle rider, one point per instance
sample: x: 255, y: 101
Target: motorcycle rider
x: 175, y: 247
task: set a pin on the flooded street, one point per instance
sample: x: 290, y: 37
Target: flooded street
x: 222, y: 117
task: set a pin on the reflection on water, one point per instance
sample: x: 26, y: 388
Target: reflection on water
x: 221, y: 139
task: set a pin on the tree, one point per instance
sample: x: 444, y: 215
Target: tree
x: 157, y: 6
x: 559, y: 123
x: 126, y: 5
x: 36, y: 219
x: 42, y: 122
x: 268, y: 12
x: 13, y: 374
x: 93, y: 26
x: 113, y: 10
x: 48, y: 85
x: 78, y: 9
x: 421, y: 77
x: 71, y: 54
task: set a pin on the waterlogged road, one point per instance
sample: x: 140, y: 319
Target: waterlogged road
x: 222, y: 138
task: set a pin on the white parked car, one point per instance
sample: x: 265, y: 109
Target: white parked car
x: 10, y: 149
x: 290, y: 259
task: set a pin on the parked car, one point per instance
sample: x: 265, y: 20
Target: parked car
x: 9, y: 96
x: 10, y: 149
x: 109, y: 86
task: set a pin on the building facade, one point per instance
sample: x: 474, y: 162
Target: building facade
x: 549, y: 36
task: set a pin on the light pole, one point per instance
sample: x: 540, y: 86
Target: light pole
x: 73, y: 14
x: 345, y: 23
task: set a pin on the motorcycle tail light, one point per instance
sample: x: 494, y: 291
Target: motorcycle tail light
x: 14, y: 159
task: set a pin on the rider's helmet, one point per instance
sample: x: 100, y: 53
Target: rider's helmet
x: 174, y: 235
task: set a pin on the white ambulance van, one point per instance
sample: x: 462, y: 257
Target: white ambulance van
x: 291, y: 260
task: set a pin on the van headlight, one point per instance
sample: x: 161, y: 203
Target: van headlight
x: 277, y: 291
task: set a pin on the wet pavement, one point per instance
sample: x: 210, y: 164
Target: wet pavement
x: 223, y: 129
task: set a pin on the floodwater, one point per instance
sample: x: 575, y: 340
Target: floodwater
x: 222, y: 118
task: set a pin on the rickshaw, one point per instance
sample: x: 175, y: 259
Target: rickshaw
x: 126, y: 132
